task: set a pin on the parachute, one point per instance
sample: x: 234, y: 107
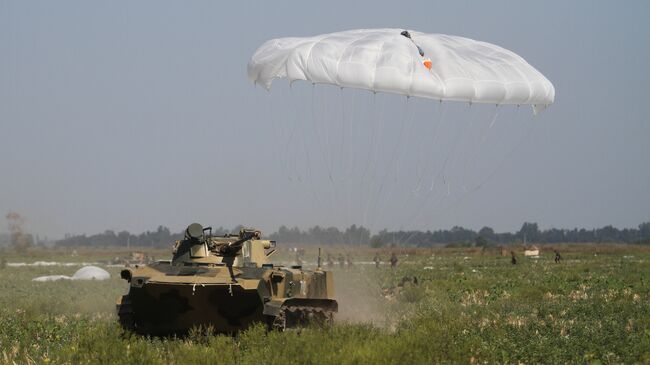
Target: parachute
x: 387, y: 60
x: 392, y: 159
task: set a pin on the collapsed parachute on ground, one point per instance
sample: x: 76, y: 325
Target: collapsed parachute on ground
x: 85, y: 273
x: 434, y: 66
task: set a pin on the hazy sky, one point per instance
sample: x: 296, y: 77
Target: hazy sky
x: 127, y: 115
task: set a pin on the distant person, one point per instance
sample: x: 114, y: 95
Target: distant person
x: 349, y: 260
x: 377, y: 260
x: 557, y: 257
x: 393, y: 260
x: 341, y: 260
x: 513, y: 260
x: 330, y: 261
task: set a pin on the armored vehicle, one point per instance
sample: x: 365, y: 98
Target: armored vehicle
x: 225, y: 283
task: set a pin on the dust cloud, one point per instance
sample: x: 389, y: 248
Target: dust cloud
x: 360, y: 298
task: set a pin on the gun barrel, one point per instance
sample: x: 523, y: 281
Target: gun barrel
x: 233, y: 247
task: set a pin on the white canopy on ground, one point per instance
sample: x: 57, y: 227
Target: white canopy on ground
x: 385, y: 60
x: 91, y: 273
x: 85, y: 273
x: 51, y: 278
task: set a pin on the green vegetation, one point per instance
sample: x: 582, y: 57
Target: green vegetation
x: 468, y: 306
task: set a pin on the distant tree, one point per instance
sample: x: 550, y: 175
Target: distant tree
x: 357, y: 235
x: 487, y: 233
x: 529, y: 231
x: 644, y: 230
x: 376, y: 242
x: 608, y: 234
x: 481, y: 241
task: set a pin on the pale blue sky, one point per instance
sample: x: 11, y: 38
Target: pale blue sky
x: 127, y: 115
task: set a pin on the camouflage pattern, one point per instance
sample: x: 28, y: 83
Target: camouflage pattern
x: 225, y: 283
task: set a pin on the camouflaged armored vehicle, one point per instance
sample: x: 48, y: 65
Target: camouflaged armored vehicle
x: 226, y: 283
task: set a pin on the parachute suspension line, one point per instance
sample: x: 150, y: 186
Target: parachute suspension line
x: 525, y: 136
x: 417, y: 147
x: 389, y: 178
x: 328, y: 152
x: 476, y: 147
x: 410, y: 115
x: 370, y: 171
x: 494, y: 119
x: 465, y: 151
x: 443, y: 168
x: 354, y: 139
x: 326, y: 194
x: 342, y: 144
x: 287, y: 127
x: 300, y: 142
x: 465, y: 192
x: 441, y: 172
x: 353, y: 127
x: 434, y: 136
x: 289, y: 124
x: 456, y: 172
x: 428, y: 137
x: 292, y: 156
x: 429, y: 192
x: 410, y: 137
x: 370, y: 131
x: 373, y: 199
x: 324, y: 154
x: 469, y: 159
x: 334, y: 197
x: 377, y: 157
x: 328, y: 198
x: 316, y: 202
x: 454, y: 205
x: 373, y: 135
x: 432, y: 173
x: 342, y: 161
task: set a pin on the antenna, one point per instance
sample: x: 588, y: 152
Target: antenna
x: 319, y: 259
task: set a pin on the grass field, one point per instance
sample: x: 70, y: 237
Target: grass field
x: 469, y: 306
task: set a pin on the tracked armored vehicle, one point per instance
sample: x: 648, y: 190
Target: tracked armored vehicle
x: 225, y: 283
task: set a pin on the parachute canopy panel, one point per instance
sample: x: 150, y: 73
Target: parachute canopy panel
x: 434, y: 66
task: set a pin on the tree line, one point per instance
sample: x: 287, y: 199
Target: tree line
x: 528, y: 233
x: 361, y: 236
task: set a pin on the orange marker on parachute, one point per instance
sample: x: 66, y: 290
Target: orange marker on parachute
x: 426, y: 61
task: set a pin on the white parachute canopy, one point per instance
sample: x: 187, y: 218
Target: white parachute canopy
x: 85, y: 273
x: 91, y: 273
x: 434, y: 66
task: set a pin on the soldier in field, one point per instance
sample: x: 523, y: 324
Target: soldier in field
x: 377, y: 260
